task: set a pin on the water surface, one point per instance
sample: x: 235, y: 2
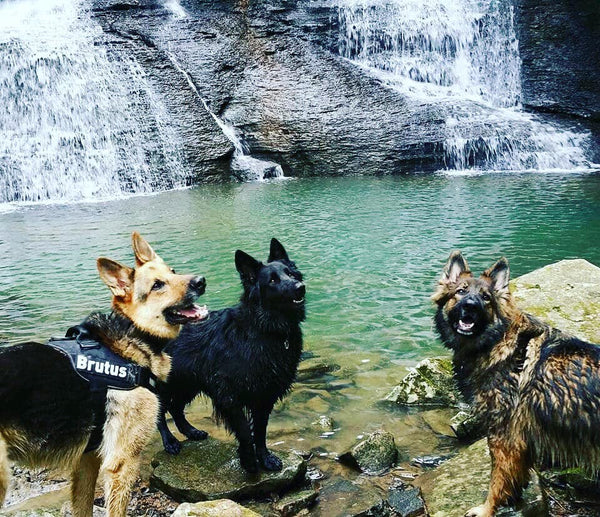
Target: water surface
x: 371, y: 249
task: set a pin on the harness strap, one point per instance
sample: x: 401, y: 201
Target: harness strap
x: 102, y: 369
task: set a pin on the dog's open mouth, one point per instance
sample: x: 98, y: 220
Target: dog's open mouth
x: 298, y: 301
x: 465, y: 326
x: 188, y: 314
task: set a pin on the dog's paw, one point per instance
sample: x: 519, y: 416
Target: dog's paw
x: 479, y: 511
x: 270, y: 462
x: 197, y: 435
x: 248, y: 461
x: 172, y: 447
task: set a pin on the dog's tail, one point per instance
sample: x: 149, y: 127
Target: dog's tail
x: 4, y: 472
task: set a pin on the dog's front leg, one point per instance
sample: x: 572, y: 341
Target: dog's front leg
x: 260, y: 417
x: 83, y: 484
x: 237, y: 423
x: 510, y: 473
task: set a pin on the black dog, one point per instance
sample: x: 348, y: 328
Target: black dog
x: 244, y: 358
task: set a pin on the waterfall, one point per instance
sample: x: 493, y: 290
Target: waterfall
x: 243, y: 166
x: 69, y: 127
x: 452, y: 51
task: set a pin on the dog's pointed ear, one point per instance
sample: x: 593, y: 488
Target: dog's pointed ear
x: 143, y: 251
x: 499, y: 274
x: 277, y: 251
x: 456, y: 266
x: 117, y: 277
x: 247, y: 266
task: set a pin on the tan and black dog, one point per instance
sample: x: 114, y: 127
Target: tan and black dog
x: 535, y: 388
x: 47, y: 409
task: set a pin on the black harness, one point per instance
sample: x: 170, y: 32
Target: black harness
x: 103, y: 370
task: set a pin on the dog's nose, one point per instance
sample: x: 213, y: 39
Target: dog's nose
x: 300, y: 289
x: 470, y: 303
x: 198, y: 284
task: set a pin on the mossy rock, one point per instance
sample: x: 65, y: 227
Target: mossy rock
x: 565, y: 294
x: 210, y: 469
x: 374, y: 455
x: 429, y: 383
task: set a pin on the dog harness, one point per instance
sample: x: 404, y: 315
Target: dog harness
x: 103, y: 370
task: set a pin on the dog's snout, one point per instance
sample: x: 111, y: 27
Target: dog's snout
x: 300, y: 288
x: 198, y: 284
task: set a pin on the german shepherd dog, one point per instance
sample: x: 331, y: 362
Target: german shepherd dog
x: 535, y: 388
x: 244, y: 358
x: 46, y: 413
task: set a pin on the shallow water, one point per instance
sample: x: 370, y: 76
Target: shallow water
x: 371, y: 250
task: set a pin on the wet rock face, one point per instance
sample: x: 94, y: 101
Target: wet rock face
x: 211, y: 470
x: 558, y: 43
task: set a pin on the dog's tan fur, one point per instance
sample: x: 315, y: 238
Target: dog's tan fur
x: 131, y: 415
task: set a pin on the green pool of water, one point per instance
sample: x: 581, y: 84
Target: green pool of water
x: 371, y: 250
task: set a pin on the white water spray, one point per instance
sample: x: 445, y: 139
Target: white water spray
x: 447, y: 51
x: 68, y: 129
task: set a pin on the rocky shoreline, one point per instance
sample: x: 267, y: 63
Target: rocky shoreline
x: 374, y: 476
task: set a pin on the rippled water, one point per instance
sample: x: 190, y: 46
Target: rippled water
x: 371, y: 249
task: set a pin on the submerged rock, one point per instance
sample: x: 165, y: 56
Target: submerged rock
x: 462, y: 483
x: 565, y: 294
x: 373, y: 455
x: 342, y: 498
x: 211, y: 469
x: 430, y: 382
x: 217, y: 508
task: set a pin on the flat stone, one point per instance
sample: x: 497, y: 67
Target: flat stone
x: 462, y: 483
x: 430, y: 382
x: 210, y: 469
x: 293, y: 503
x: 565, y: 294
x: 343, y: 498
x: 373, y: 455
x: 217, y: 508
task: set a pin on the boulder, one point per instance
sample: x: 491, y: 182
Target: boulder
x: 465, y: 426
x: 565, y: 294
x: 217, y: 508
x: 429, y: 383
x: 374, y: 455
x: 462, y: 483
x: 210, y: 469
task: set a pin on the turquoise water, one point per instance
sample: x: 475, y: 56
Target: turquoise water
x: 371, y: 248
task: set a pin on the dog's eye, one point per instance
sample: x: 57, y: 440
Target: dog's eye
x: 158, y: 284
x: 461, y: 291
x: 486, y: 297
x: 273, y: 280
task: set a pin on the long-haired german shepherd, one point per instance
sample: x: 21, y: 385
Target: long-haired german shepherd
x: 244, y: 358
x: 536, y: 389
x: 47, y: 410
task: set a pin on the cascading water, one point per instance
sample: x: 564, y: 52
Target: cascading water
x: 68, y: 127
x: 450, y: 51
x: 243, y: 166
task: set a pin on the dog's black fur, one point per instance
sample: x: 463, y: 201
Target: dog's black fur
x: 244, y: 358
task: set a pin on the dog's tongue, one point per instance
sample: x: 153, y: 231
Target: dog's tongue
x: 195, y: 312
